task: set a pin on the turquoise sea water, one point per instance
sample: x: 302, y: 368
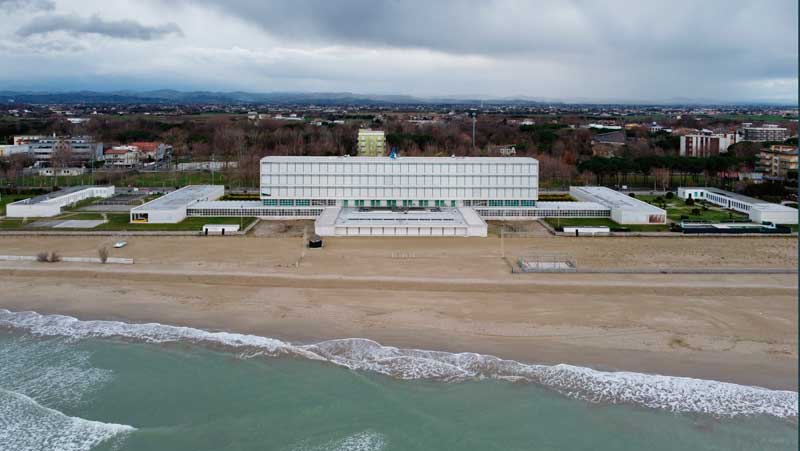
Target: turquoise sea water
x: 67, y: 393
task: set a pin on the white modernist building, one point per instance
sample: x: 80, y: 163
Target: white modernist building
x: 461, y: 221
x: 624, y: 209
x: 50, y: 204
x: 758, y: 210
x: 174, y: 207
x: 302, y: 186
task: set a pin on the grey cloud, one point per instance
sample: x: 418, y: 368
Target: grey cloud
x: 501, y: 27
x: 40, y: 5
x: 713, y: 40
x: 121, y: 29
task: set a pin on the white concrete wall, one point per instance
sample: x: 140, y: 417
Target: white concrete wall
x: 52, y: 207
x: 774, y: 216
x: 382, y: 178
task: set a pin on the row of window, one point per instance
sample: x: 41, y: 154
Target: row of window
x: 545, y: 213
x: 299, y: 202
x: 312, y: 212
x: 236, y: 212
x: 399, y: 193
x: 500, y: 203
x: 394, y: 203
x: 380, y: 181
x: 399, y: 167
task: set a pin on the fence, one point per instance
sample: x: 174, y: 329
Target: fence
x: 32, y: 258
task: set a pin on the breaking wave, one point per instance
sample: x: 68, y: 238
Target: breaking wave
x: 675, y: 394
x: 25, y: 425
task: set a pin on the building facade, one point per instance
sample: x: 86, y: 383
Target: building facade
x: 767, y: 132
x: 778, y: 161
x: 491, y: 184
x: 76, y: 148
x: 706, y: 145
x: 371, y: 143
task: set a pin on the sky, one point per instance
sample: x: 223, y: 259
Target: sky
x: 624, y: 50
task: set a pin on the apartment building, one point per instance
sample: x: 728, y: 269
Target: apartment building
x: 776, y: 161
x: 371, y: 143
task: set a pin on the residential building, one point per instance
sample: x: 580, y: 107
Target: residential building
x: 706, y: 144
x: 121, y: 156
x: 615, y: 138
x: 776, y: 161
x: 767, y: 132
x: 371, y: 143
x: 6, y: 150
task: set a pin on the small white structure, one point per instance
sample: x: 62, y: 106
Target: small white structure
x: 49, y: 205
x: 586, y: 230
x: 758, y: 210
x: 338, y: 221
x: 172, y: 208
x: 624, y: 209
x: 220, y: 229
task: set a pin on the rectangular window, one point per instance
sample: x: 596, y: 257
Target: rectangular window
x: 302, y: 202
x: 286, y: 202
x: 423, y: 203
x: 452, y: 203
x: 391, y: 203
x: 375, y: 203
x: 408, y: 203
x: 270, y: 202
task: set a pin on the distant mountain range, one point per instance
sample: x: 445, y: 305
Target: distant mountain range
x: 169, y: 96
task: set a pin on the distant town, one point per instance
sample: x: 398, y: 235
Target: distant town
x: 659, y: 152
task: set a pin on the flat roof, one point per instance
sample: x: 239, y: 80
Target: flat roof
x: 369, y: 217
x: 773, y: 207
x: 356, y: 216
x: 227, y: 204
x: 732, y: 195
x: 570, y: 206
x: 55, y: 194
x: 180, y: 198
x: 382, y: 159
x: 616, y: 199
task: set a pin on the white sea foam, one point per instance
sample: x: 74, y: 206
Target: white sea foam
x: 25, y: 425
x: 676, y: 394
x: 362, y: 441
x: 54, y: 373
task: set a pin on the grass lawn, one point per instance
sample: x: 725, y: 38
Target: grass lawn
x: 119, y: 222
x: 556, y: 222
x: 677, y: 207
x: 172, y: 179
x: 195, y: 223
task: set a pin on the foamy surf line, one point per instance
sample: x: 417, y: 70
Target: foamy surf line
x: 675, y: 394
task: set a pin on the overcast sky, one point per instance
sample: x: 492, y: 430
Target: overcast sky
x: 726, y: 50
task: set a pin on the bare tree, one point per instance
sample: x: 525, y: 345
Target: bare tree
x: 61, y: 158
x: 103, y: 254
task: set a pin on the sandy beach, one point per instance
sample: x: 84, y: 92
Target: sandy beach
x: 448, y: 294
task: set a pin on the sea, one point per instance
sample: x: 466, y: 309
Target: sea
x: 70, y: 385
